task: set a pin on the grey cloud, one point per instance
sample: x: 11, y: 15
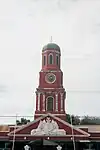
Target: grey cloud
x: 78, y: 57
x: 70, y: 22
x: 3, y: 88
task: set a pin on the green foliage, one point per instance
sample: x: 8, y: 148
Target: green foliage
x: 22, y: 121
x: 90, y: 120
x: 75, y: 119
x: 86, y: 120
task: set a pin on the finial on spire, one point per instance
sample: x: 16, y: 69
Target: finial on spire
x: 51, y: 39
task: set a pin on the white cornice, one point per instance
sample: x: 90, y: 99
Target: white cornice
x: 53, y: 114
x: 50, y: 71
x: 28, y: 135
x: 54, y: 51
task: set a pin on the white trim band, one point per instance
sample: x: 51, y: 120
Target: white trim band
x: 61, y: 94
x: 56, y: 102
x: 43, y: 102
x: 38, y: 101
x: 52, y: 114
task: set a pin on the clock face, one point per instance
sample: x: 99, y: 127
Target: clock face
x: 50, y: 78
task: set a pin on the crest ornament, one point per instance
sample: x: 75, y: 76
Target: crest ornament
x: 48, y: 127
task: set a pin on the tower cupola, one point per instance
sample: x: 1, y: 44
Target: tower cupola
x: 51, y: 46
x: 51, y: 57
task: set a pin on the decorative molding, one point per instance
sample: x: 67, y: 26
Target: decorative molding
x: 43, y: 102
x: 49, y: 88
x: 61, y: 94
x: 56, y: 102
x: 39, y: 101
x: 48, y: 127
x: 51, y: 51
x: 49, y: 92
x: 54, y: 88
x: 67, y: 135
x: 51, y: 71
x: 64, y: 136
x: 53, y: 114
x: 36, y: 92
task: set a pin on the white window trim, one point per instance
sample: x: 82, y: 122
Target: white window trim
x: 58, y: 60
x: 61, y: 94
x: 39, y: 101
x: 45, y: 60
x: 56, y: 95
x: 43, y: 102
x: 49, y: 59
x: 47, y: 102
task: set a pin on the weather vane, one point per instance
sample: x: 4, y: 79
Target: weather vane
x: 51, y: 39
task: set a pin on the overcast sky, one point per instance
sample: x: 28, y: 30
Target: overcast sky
x: 25, y: 27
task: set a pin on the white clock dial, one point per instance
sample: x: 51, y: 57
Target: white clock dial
x: 50, y: 78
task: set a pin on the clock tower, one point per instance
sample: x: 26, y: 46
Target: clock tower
x: 50, y: 94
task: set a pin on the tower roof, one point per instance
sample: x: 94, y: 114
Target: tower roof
x: 51, y: 46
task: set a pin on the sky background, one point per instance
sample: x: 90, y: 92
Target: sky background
x: 25, y: 27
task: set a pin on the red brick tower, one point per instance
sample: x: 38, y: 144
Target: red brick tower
x: 50, y: 94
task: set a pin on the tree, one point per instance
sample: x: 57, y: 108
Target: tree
x: 68, y: 118
x: 87, y: 120
x: 22, y: 121
x: 75, y: 119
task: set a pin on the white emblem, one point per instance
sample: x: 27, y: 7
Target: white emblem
x: 48, y: 127
x: 59, y: 147
x: 26, y: 147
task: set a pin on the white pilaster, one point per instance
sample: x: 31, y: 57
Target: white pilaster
x: 61, y: 94
x: 43, y: 102
x: 38, y: 101
x: 56, y: 102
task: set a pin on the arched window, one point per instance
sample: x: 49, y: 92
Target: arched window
x: 57, y: 60
x: 50, y: 103
x: 44, y: 60
x: 50, y: 59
